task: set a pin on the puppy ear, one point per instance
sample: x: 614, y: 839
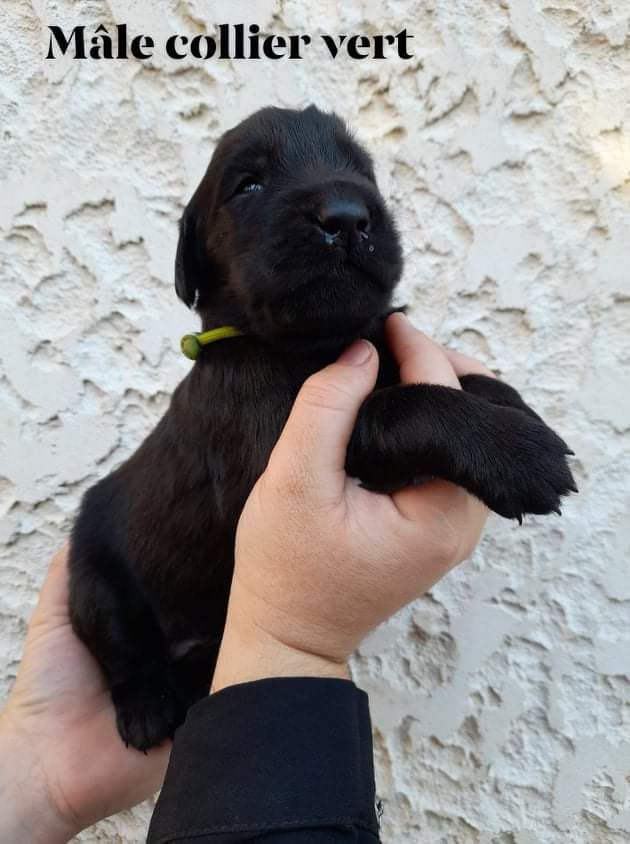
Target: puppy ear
x: 188, y: 272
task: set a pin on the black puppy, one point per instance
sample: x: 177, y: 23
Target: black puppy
x: 288, y: 240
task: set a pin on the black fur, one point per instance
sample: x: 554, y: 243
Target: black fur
x: 152, y: 548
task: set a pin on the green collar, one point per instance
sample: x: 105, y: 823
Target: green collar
x: 192, y: 344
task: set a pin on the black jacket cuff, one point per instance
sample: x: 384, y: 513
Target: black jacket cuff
x: 284, y: 753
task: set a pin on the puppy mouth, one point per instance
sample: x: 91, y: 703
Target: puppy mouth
x: 336, y: 299
x: 339, y: 265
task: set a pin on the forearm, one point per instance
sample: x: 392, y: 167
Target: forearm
x: 27, y: 813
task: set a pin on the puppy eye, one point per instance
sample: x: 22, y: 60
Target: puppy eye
x: 249, y: 186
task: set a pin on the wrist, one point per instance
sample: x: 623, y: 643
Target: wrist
x: 28, y: 814
x: 250, y: 653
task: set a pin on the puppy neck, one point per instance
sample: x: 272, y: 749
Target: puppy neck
x: 324, y: 348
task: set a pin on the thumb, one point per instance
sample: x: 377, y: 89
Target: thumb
x: 420, y: 359
x: 313, y: 444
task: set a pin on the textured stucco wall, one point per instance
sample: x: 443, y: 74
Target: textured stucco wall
x: 501, y: 702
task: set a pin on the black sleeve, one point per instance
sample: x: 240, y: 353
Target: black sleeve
x: 276, y: 761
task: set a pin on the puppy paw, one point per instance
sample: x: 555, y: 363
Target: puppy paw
x: 147, y: 712
x: 531, y: 474
x: 496, y: 392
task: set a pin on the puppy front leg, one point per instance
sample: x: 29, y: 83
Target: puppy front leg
x: 503, y: 455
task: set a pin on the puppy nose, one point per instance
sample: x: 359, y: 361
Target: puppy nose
x: 342, y: 216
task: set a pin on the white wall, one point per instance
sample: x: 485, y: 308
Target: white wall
x: 501, y: 702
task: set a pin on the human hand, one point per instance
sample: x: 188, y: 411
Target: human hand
x: 320, y: 561
x: 63, y: 764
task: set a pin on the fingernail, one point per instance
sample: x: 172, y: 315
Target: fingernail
x: 400, y: 315
x: 401, y: 319
x: 357, y: 354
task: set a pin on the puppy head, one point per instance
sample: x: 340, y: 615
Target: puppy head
x: 288, y: 233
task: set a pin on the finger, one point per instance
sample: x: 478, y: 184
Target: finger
x: 313, y: 445
x: 463, y: 365
x: 420, y: 359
